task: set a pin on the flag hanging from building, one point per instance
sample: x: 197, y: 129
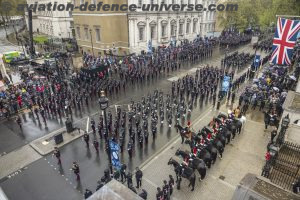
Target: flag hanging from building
x: 284, y: 40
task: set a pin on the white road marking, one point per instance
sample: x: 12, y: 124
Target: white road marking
x: 87, y: 124
x: 175, y: 78
x: 151, y: 183
x: 193, y: 70
x: 116, y: 106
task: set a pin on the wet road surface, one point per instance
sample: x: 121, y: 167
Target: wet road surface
x: 44, y: 177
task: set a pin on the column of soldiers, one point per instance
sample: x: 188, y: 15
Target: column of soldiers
x: 233, y: 38
x: 237, y: 60
x: 174, y: 107
x: 61, y: 97
x: 158, y: 108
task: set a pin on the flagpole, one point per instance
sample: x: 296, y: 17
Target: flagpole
x: 291, y: 16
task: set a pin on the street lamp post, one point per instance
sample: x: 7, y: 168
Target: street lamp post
x: 92, y: 42
x: 103, y: 103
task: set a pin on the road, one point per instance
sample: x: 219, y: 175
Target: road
x: 47, y: 179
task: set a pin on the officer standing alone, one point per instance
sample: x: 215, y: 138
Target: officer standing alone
x: 56, y: 153
x: 138, y: 177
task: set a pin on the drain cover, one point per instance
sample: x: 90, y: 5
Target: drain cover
x: 222, y: 178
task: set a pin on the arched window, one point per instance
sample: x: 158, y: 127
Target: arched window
x: 173, y: 27
x: 152, y: 29
x: 141, y: 30
x: 164, y: 24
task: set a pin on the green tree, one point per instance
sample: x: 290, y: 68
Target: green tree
x: 257, y: 13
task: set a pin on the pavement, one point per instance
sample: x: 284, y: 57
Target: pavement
x: 91, y: 164
x: 46, y: 144
x: 16, y: 160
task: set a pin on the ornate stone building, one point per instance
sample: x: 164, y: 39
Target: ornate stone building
x: 162, y: 27
x: 130, y: 32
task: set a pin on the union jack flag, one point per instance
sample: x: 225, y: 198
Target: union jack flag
x: 284, y: 41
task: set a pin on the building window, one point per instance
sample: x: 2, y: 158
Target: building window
x: 196, y: 2
x: 141, y: 33
x: 78, y: 32
x: 180, y: 29
x: 172, y: 30
x: 173, y: 1
x: 140, y: 3
x: 152, y: 32
x: 151, y: 2
x: 162, y: 1
x: 86, y: 33
x: 98, y: 38
x: 81, y: 1
x: 189, y: 1
x: 163, y: 30
x: 187, y: 28
x: 93, y: 2
x: 181, y: 2
x: 194, y: 27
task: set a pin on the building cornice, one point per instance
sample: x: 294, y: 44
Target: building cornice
x: 99, y: 14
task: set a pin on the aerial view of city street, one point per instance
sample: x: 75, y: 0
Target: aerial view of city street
x: 150, y: 99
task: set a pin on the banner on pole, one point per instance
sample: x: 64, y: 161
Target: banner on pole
x: 226, y: 83
x: 257, y: 61
x: 114, y: 153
